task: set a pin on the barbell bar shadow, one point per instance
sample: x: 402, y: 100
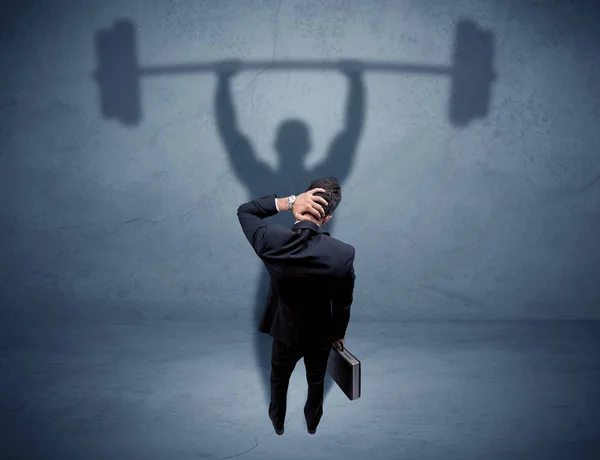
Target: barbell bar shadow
x: 118, y: 73
x: 294, y: 65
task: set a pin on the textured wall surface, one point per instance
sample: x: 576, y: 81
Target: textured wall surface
x: 128, y: 292
x: 496, y: 219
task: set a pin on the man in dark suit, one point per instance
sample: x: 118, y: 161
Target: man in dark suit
x: 311, y: 291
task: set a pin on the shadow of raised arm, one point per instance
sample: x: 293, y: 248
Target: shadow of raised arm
x: 342, y: 151
x: 248, y: 168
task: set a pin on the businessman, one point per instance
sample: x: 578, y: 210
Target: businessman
x: 311, y: 290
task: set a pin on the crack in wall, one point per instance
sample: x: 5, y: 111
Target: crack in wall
x: 242, y: 453
x: 257, y: 438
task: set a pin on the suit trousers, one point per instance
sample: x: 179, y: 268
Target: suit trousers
x: 283, y: 362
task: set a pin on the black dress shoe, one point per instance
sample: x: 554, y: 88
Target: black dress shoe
x: 311, y: 430
x: 279, y: 431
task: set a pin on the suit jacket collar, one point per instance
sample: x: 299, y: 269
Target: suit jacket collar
x: 310, y: 225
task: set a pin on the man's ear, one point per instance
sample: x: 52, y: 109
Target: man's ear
x: 327, y: 218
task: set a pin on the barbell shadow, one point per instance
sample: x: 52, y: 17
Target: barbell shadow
x: 118, y: 72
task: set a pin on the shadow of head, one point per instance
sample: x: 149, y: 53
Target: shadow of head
x: 292, y: 142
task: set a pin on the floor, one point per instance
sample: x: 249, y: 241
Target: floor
x: 191, y: 390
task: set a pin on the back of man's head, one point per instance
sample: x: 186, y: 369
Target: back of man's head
x: 333, y: 194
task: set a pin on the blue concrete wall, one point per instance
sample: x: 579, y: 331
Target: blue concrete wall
x: 498, y: 219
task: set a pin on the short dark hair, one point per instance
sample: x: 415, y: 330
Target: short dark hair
x: 333, y: 194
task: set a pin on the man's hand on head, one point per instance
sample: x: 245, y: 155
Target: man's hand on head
x: 309, y: 203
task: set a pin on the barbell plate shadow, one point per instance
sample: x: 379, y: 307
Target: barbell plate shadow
x: 117, y: 75
x: 472, y: 74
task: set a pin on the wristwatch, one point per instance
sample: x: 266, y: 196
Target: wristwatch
x: 291, y: 200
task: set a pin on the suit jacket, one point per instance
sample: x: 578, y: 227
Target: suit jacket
x: 312, y: 276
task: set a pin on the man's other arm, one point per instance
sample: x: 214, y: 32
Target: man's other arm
x: 252, y: 214
x: 343, y: 296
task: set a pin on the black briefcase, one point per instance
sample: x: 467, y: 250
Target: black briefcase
x: 344, y: 369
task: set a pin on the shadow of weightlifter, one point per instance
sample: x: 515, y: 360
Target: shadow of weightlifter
x: 293, y: 145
